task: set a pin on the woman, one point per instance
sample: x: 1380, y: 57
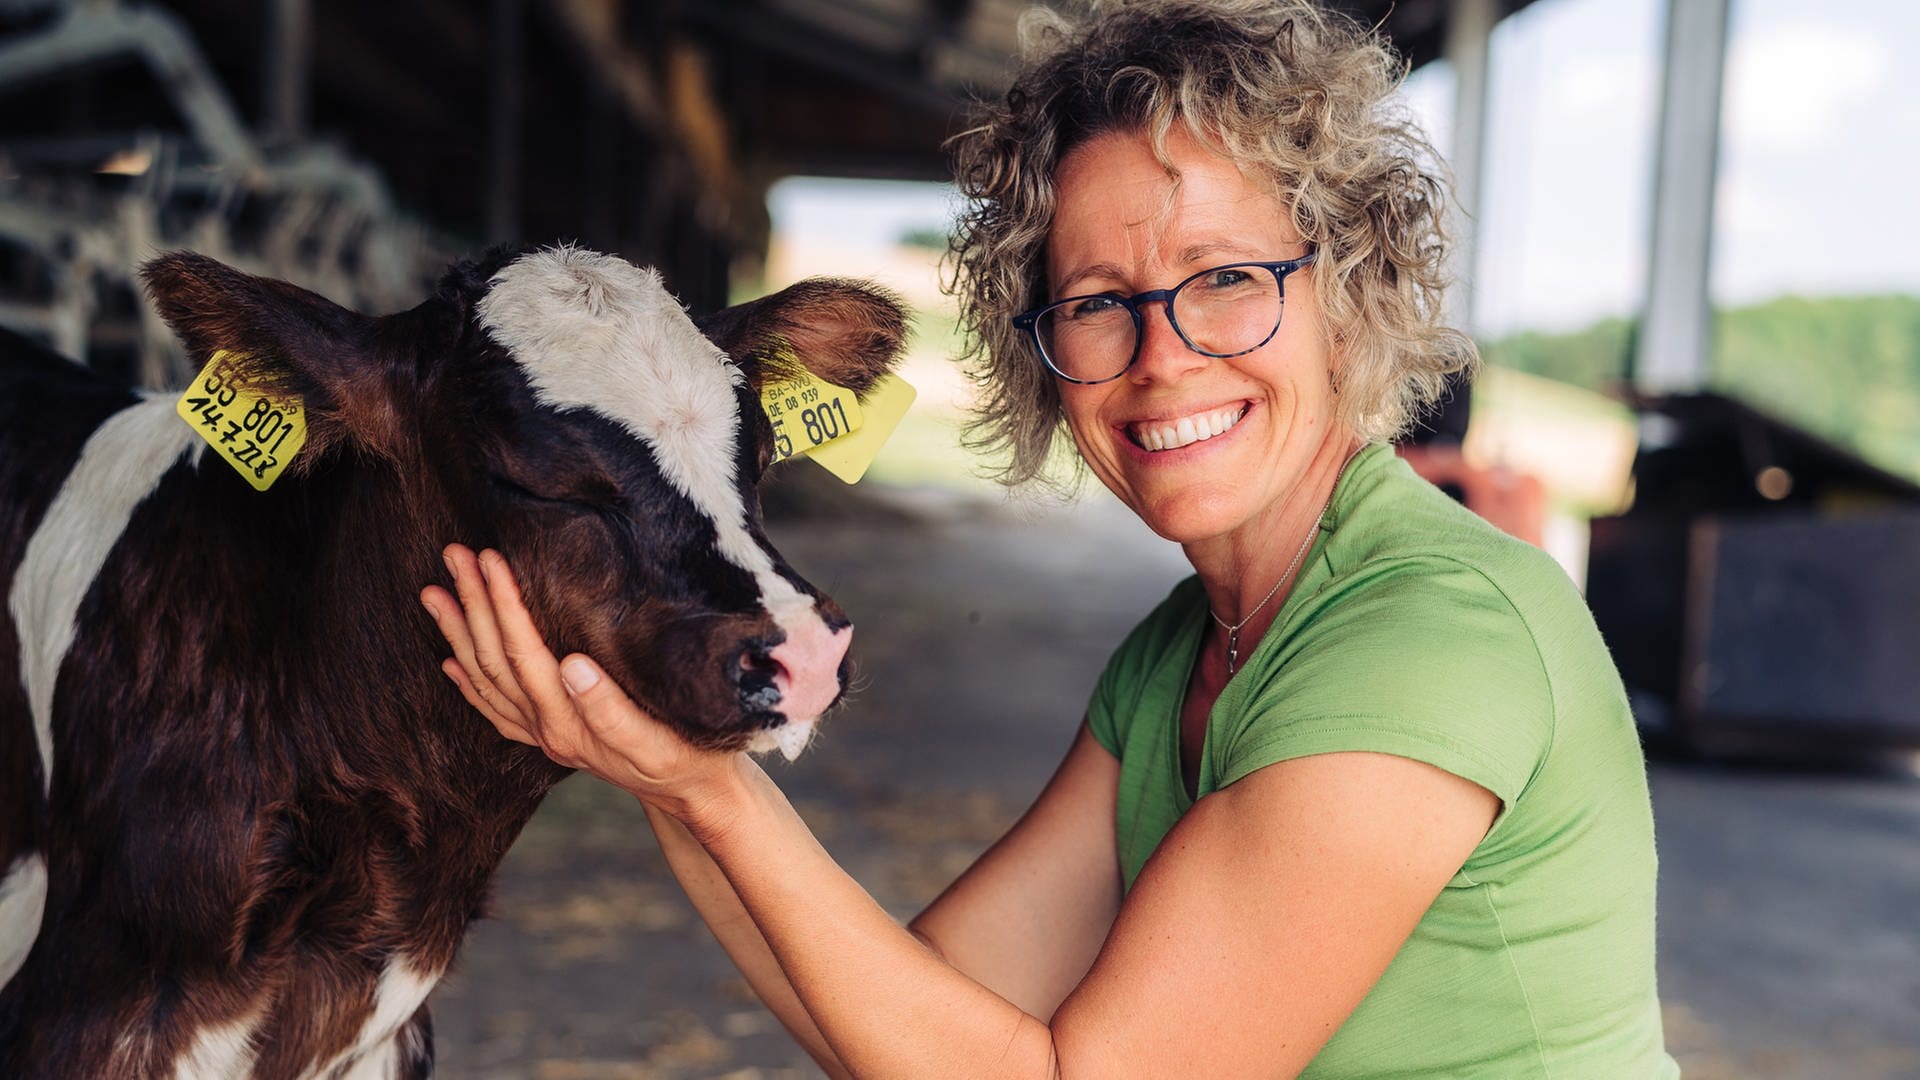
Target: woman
x: 1362, y: 797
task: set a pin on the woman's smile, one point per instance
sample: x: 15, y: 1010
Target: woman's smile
x: 1179, y: 429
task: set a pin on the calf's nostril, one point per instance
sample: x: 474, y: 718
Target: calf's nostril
x: 755, y: 671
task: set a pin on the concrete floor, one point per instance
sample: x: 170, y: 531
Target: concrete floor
x: 1790, y: 903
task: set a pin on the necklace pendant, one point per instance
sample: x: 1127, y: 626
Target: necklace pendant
x: 1233, y: 650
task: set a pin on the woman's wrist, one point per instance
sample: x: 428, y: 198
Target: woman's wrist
x: 712, y: 809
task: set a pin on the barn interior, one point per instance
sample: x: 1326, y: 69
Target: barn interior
x: 356, y: 148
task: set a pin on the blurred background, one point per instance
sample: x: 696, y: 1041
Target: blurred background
x: 1688, y: 252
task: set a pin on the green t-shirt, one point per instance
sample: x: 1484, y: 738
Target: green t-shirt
x: 1416, y: 629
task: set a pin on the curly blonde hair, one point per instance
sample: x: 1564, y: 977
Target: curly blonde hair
x: 1302, y: 99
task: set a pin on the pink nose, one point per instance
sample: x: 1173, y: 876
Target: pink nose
x: 809, y: 674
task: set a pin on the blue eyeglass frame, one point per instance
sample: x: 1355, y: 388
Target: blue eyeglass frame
x: 1030, y: 320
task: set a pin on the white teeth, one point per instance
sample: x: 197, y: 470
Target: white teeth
x: 1172, y: 435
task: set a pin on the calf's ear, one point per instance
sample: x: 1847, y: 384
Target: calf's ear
x: 849, y: 333
x: 285, y: 340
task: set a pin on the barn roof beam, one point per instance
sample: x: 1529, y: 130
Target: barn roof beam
x: 801, y: 39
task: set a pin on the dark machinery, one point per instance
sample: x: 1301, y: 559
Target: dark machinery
x: 1763, y: 592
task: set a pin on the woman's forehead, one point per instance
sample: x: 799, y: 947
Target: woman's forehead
x: 1117, y: 201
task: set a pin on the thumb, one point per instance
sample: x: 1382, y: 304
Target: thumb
x: 606, y: 709
x: 583, y: 677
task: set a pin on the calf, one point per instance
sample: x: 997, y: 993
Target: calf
x: 244, y: 820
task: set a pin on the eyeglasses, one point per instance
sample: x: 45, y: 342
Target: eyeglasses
x: 1224, y: 311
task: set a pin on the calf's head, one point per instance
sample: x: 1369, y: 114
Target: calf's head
x: 560, y: 405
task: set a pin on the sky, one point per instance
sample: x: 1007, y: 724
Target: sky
x: 1820, y: 146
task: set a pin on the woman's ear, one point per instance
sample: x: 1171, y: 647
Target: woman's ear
x: 280, y: 339
x: 849, y: 333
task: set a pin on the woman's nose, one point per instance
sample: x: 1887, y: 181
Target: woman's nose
x: 1162, y: 354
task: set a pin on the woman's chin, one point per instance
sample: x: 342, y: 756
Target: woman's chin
x: 1192, y: 517
x: 1185, y: 500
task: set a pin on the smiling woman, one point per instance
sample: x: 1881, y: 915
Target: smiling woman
x: 1362, y: 797
x: 1123, y: 224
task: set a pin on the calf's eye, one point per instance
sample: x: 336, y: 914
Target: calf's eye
x: 518, y: 493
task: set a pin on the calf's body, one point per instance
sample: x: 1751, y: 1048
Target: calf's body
x: 244, y: 822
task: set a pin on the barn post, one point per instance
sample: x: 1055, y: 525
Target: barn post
x: 1675, y: 329
x: 284, y: 82
x: 1469, y: 37
x: 1469, y: 33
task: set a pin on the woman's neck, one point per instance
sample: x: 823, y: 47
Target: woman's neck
x: 1240, y: 569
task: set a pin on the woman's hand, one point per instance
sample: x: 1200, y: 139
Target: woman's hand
x: 569, y: 709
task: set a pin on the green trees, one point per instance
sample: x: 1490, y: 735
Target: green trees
x: 1846, y: 368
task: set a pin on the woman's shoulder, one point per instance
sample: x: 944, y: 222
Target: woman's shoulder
x: 1410, y: 573
x: 1430, y: 625
x: 1395, y: 532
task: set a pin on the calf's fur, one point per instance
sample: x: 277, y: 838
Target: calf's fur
x: 270, y: 819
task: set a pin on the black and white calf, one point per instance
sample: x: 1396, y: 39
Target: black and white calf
x: 244, y: 821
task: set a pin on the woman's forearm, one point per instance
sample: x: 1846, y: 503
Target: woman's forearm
x: 713, y: 897
x: 884, y: 1002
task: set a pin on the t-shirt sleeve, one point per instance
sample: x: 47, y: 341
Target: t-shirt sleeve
x: 1113, y: 706
x: 1423, y: 658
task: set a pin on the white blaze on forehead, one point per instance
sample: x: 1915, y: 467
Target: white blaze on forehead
x: 121, y: 464
x: 23, y: 902
x: 595, y: 332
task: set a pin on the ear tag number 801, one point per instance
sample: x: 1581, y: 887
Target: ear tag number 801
x: 808, y: 412
x: 256, y: 434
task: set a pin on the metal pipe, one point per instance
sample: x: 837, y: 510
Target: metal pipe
x: 88, y: 36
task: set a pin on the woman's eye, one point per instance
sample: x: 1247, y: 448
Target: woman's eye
x: 1228, y: 278
x: 1093, y: 307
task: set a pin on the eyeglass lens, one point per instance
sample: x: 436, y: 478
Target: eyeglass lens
x: 1222, y: 312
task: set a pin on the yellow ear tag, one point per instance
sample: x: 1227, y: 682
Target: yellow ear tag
x: 258, y: 435
x: 848, y: 457
x: 808, y: 411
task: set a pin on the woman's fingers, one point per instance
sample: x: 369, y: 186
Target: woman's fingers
x: 533, y: 664
x: 487, y: 663
x: 500, y: 722
x: 572, y: 711
x: 478, y: 691
x: 501, y: 664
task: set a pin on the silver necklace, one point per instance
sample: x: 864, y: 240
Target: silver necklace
x: 1233, y: 629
